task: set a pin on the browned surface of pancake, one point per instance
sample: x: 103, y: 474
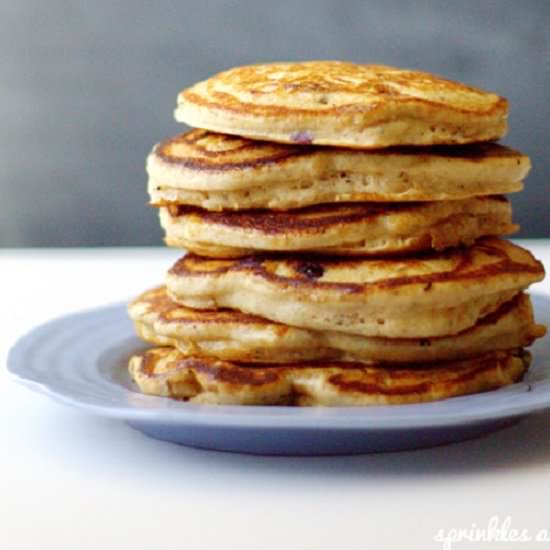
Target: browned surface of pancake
x: 220, y: 172
x: 167, y: 372
x: 299, y: 272
x: 347, y: 229
x: 203, y: 151
x: 344, y: 104
x: 313, y: 219
x: 213, y: 153
x: 421, y: 295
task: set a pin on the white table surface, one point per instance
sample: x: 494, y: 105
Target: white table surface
x: 73, y: 481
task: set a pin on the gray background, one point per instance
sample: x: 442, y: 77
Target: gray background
x: 86, y: 88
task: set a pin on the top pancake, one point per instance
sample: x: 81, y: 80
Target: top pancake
x: 216, y: 171
x: 342, y: 104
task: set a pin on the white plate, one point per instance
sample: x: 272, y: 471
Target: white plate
x: 81, y: 360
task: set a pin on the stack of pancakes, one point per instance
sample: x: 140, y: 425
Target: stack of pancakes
x: 343, y: 225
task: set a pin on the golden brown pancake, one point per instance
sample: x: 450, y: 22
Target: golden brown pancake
x: 216, y: 172
x: 169, y: 373
x: 235, y: 336
x: 342, y: 229
x: 342, y: 104
x: 422, y: 295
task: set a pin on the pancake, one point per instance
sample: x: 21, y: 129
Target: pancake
x: 428, y: 294
x: 235, y: 336
x: 342, y: 104
x: 344, y: 229
x: 215, y: 172
x: 169, y: 373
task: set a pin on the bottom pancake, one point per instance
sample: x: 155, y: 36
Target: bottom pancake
x: 167, y: 372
